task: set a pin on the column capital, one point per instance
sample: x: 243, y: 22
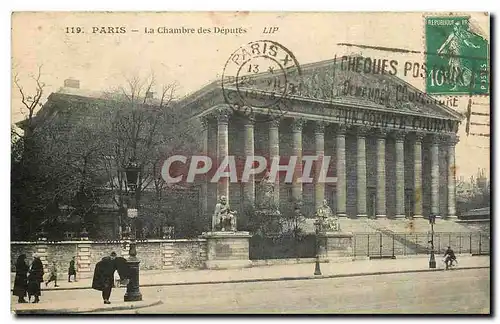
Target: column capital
x: 340, y: 129
x: 297, y: 124
x: 204, y: 121
x: 435, y: 139
x: 419, y: 136
x: 319, y: 127
x: 248, y: 121
x: 362, y: 131
x: 275, y: 123
x: 399, y: 135
x: 222, y: 115
x: 381, y: 133
x: 451, y: 140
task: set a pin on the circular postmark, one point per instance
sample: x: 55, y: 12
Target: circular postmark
x: 257, y: 79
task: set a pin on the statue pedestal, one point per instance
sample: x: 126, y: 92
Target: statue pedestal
x: 335, y: 245
x: 227, y: 250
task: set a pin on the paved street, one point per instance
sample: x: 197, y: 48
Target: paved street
x: 277, y: 272
x: 460, y: 291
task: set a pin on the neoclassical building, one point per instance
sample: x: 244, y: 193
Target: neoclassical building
x: 391, y: 147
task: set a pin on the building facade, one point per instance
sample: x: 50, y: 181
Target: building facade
x: 393, y: 154
x: 388, y: 146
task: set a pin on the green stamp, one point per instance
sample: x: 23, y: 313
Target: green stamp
x: 457, y: 57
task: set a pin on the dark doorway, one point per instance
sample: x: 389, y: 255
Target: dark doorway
x: 409, y: 203
x: 371, y: 203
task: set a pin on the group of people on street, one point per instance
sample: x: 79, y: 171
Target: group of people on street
x: 28, y: 278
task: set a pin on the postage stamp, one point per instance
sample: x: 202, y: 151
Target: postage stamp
x: 457, y: 56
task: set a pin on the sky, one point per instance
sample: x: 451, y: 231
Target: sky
x: 101, y: 61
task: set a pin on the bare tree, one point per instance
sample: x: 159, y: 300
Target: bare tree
x: 25, y: 175
x: 30, y: 103
x: 80, y: 154
x: 144, y: 128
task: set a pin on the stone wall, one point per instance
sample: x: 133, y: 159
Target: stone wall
x: 61, y: 254
x: 99, y: 250
x: 16, y: 250
x: 189, y: 253
x: 151, y: 255
x: 154, y: 254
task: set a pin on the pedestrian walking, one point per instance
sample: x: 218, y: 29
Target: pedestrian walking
x: 52, y: 274
x: 35, y: 278
x: 21, y: 280
x: 104, y: 275
x: 72, y: 269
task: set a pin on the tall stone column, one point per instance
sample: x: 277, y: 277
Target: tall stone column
x: 418, y: 190
x: 435, y: 175
x: 223, y: 149
x: 400, y: 174
x: 452, y: 141
x: 341, y: 172
x: 204, y: 180
x: 319, y: 187
x: 361, y: 170
x: 249, y: 148
x: 297, y: 125
x: 381, y: 206
x: 274, y: 153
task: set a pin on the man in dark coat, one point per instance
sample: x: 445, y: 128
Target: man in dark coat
x: 72, y: 269
x: 103, y: 276
x: 21, y: 281
x: 35, y: 277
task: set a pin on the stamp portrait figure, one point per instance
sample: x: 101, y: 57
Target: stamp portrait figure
x: 454, y: 46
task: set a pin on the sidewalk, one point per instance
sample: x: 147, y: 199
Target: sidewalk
x: 91, y: 304
x: 284, y: 272
x: 75, y: 307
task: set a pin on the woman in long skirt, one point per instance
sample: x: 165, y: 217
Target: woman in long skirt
x: 21, y: 281
x: 35, y: 277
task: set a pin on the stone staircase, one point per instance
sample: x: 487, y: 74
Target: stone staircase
x: 385, y: 238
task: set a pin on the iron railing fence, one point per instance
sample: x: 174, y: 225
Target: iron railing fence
x: 389, y: 244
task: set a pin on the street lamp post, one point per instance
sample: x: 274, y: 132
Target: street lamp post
x: 432, y: 260
x: 133, y: 293
x: 317, y: 269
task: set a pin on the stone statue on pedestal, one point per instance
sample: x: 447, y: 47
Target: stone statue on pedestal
x: 224, y: 218
x: 267, y: 192
x: 266, y: 207
x: 327, y: 221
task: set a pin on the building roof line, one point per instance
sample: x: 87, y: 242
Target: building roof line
x: 215, y: 85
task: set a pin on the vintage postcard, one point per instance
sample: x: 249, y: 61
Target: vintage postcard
x: 250, y: 163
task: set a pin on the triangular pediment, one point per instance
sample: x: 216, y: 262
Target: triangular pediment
x: 330, y: 82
